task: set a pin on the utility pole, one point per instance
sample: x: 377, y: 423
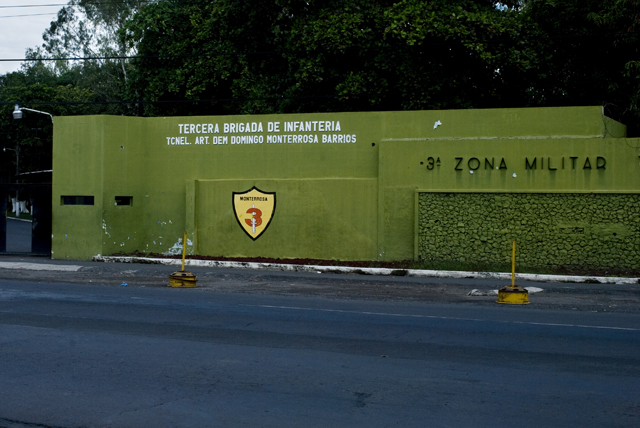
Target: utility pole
x: 17, y: 152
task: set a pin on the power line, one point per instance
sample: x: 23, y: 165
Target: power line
x: 58, y: 5
x: 67, y: 4
x: 33, y: 5
x: 33, y: 14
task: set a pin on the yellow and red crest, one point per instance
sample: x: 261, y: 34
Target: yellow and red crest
x: 254, y: 210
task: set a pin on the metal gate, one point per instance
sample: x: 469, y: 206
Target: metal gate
x: 40, y: 197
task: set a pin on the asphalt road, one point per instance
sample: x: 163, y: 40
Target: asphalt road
x: 102, y: 355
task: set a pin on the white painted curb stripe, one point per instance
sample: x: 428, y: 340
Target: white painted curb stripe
x: 372, y: 271
x: 39, y: 266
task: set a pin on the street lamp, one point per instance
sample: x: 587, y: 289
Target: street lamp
x: 17, y: 112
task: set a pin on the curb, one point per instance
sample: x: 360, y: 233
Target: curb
x: 372, y: 271
x: 20, y: 219
x: 39, y: 266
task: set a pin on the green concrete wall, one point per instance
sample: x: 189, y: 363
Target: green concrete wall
x: 598, y: 164
x: 335, y: 200
x: 77, y: 170
x: 316, y: 218
x: 551, y: 230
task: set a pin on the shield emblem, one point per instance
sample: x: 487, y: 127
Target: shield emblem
x: 254, y: 210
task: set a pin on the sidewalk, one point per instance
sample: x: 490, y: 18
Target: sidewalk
x: 576, y: 293
x: 373, y: 271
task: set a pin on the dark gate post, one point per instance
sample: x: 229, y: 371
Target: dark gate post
x: 3, y: 219
x: 41, y: 226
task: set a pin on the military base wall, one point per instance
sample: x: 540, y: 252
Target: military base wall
x: 455, y: 185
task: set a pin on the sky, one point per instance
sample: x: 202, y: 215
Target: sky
x: 19, y: 32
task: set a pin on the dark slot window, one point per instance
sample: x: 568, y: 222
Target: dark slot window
x: 76, y: 200
x: 124, y: 200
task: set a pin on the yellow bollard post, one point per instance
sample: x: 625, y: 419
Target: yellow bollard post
x: 513, y: 264
x: 181, y: 278
x: 184, y: 249
x: 513, y: 294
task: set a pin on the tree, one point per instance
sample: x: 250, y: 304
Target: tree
x: 89, y: 29
x: 301, y: 56
x: 32, y: 135
x: 82, y: 29
x: 591, y: 55
x: 239, y: 57
x: 220, y: 50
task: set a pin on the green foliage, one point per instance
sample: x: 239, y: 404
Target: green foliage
x: 295, y: 56
x: 32, y: 135
x: 89, y: 29
x: 467, y: 54
x: 591, y: 55
x: 301, y: 56
x: 209, y: 57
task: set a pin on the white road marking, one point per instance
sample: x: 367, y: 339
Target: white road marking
x: 445, y: 318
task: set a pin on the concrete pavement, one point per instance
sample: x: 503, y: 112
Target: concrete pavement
x: 623, y: 295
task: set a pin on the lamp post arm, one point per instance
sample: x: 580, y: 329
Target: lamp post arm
x: 38, y: 111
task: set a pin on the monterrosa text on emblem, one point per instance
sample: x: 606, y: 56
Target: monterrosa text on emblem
x: 254, y: 210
